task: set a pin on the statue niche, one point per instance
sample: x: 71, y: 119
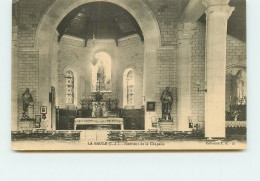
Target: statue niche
x: 237, y: 97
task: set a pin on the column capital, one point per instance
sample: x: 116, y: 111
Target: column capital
x: 218, y: 6
x: 185, y: 31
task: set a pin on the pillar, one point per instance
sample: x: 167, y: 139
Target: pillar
x: 185, y: 32
x: 149, y: 81
x: 45, y: 83
x: 15, y: 44
x: 217, y: 14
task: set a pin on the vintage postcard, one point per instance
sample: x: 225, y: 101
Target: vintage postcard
x: 129, y: 75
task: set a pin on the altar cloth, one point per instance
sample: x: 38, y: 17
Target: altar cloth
x: 99, y: 121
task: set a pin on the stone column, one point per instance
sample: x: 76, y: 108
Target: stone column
x: 218, y: 12
x: 15, y: 48
x: 185, y: 32
x: 45, y: 83
x: 149, y: 79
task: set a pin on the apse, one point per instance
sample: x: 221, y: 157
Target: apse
x: 99, y: 20
x: 99, y: 50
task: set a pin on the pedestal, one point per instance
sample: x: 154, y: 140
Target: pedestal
x: 166, y: 126
x: 26, y: 124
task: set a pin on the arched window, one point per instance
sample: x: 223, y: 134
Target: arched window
x: 129, y: 87
x: 69, y: 87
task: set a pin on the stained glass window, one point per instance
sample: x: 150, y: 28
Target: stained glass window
x: 130, y: 87
x: 69, y: 87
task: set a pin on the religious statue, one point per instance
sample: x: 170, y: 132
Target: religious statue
x: 101, y: 72
x: 167, y: 100
x: 101, y: 77
x: 239, y: 87
x: 28, y: 105
x: 239, y: 84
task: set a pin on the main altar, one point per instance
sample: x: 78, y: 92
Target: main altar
x: 99, y: 111
x: 103, y: 109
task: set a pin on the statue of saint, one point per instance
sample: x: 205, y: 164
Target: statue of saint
x: 101, y: 76
x: 239, y: 84
x: 167, y: 100
x: 101, y: 72
x: 239, y: 87
x: 27, y: 105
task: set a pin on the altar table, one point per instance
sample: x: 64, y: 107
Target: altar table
x: 99, y: 121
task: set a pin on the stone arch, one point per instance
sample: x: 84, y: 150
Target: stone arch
x: 60, y: 8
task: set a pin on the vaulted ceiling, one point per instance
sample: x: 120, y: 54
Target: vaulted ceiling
x: 237, y: 21
x: 109, y: 21
x: 99, y: 19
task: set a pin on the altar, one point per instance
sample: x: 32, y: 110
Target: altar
x: 99, y: 122
x: 104, y: 109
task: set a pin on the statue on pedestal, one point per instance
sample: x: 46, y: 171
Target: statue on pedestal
x: 238, y: 96
x: 239, y: 87
x: 101, y: 72
x: 101, y: 77
x: 167, y: 100
x: 28, y: 105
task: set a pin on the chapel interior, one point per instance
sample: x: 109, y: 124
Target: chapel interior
x: 147, y: 66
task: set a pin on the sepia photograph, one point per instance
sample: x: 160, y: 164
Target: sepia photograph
x: 128, y: 75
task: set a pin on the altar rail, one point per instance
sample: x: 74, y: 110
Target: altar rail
x: 236, y: 124
x: 41, y: 134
